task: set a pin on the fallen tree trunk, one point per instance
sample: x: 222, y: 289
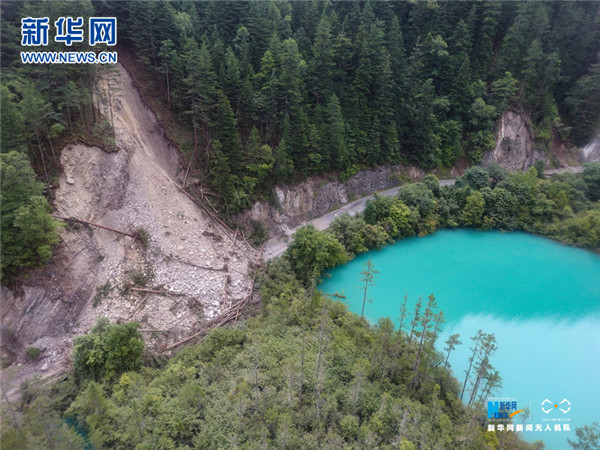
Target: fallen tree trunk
x: 225, y: 268
x: 232, y: 313
x: 138, y: 307
x: 152, y: 291
x: 214, y: 218
x: 85, y: 222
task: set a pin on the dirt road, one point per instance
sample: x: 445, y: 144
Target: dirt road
x: 570, y: 169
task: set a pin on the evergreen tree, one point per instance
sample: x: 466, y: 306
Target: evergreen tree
x: 322, y: 62
x: 12, y: 130
x: 583, y: 102
x: 486, y: 21
x: 291, y: 85
x: 335, y: 136
x: 226, y: 133
x: 385, y: 111
x: 222, y: 179
x: 260, y: 163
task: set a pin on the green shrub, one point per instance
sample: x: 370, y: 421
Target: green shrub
x: 143, y: 236
x: 107, y: 351
x: 101, y: 293
x: 33, y: 352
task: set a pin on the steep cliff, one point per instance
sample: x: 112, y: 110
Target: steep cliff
x: 314, y: 197
x: 515, y: 149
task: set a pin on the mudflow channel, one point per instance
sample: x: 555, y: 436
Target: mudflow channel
x: 135, y: 187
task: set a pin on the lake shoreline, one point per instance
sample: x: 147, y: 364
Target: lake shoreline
x: 539, y: 323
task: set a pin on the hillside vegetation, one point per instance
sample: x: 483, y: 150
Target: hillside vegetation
x: 275, y: 91
x: 304, y: 372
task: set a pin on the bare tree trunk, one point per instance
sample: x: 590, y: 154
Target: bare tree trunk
x: 92, y: 99
x: 110, y: 106
x: 537, y: 100
x: 415, y: 379
x: 302, y: 366
x: 415, y: 320
x: 480, y: 374
x: 477, y: 340
x: 403, y: 311
x: 489, y: 346
x: 69, y: 117
x: 362, y: 311
x: 72, y: 219
x: 193, y: 154
x: 84, y: 122
x: 168, y: 87
x: 42, y: 155
x: 50, y: 140
x: 357, y: 386
x: 439, y: 319
x: 521, y: 89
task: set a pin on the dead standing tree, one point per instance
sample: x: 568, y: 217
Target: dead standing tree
x: 368, y: 278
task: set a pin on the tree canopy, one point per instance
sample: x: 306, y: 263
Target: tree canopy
x: 28, y: 230
x: 334, y: 86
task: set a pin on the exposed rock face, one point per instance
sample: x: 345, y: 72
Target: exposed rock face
x: 315, y: 196
x: 591, y: 152
x: 514, y: 145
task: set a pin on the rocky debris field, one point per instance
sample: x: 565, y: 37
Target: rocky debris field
x: 198, y: 266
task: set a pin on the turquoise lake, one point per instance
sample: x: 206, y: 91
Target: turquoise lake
x: 540, y: 298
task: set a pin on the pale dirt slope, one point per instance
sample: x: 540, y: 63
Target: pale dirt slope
x: 128, y: 189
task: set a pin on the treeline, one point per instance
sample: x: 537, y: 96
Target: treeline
x: 304, y: 373
x: 274, y: 91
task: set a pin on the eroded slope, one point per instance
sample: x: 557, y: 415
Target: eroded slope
x: 133, y: 188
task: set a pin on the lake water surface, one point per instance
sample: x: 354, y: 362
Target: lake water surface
x: 540, y: 298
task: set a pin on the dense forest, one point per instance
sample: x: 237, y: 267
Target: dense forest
x: 274, y: 91
x: 268, y: 92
